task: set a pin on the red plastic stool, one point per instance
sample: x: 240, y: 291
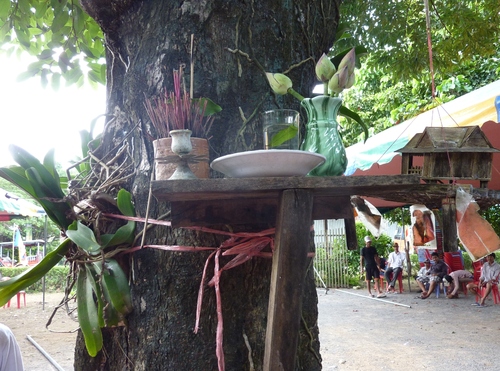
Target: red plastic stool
x: 494, y: 292
x: 23, y: 293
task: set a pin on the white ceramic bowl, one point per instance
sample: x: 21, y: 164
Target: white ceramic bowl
x: 267, y: 163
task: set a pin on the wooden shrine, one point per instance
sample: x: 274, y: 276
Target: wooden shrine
x: 291, y: 204
x: 449, y: 153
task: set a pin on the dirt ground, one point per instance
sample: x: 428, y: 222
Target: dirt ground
x: 399, y: 332
x: 404, y: 332
x: 31, y: 320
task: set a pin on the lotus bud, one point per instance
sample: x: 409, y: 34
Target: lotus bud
x: 279, y: 83
x: 349, y: 60
x: 350, y: 80
x: 338, y: 81
x: 324, y: 68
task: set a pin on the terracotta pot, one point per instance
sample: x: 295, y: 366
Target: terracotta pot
x: 166, y: 160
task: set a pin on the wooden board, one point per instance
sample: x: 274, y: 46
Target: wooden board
x: 398, y: 188
x: 250, y: 211
x: 287, y: 279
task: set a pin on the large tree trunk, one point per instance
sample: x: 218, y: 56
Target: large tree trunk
x: 235, y: 42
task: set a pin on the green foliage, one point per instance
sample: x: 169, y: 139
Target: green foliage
x: 394, y: 82
x: 55, y: 279
x: 103, y: 294
x: 383, y: 244
x: 492, y: 215
x: 66, y: 41
x: 383, y: 103
x: 395, y: 32
x: 40, y: 181
x: 35, y: 224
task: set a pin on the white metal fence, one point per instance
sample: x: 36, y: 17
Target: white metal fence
x: 330, y: 262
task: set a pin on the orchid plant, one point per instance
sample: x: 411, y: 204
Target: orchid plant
x: 335, y: 79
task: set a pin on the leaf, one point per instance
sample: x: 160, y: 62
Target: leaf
x: 124, y: 234
x: 17, y: 176
x: 55, y: 81
x: 124, y: 203
x: 115, y: 282
x: 26, y: 160
x: 346, y: 112
x: 26, y: 75
x: 283, y: 135
x: 87, y: 313
x: 45, y: 54
x: 109, y: 313
x: 94, y: 279
x: 20, y: 282
x: 4, y: 9
x: 56, y: 209
x: 60, y: 20
x: 211, y: 107
x: 83, y: 237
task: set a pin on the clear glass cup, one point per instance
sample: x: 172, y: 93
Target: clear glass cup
x: 281, y: 129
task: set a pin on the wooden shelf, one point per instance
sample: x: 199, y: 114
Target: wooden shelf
x: 247, y: 200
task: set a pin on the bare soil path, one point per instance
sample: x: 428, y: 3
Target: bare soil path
x: 356, y: 332
x: 31, y: 320
x: 359, y: 333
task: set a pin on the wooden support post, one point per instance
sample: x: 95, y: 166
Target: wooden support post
x: 287, y: 279
x: 350, y: 233
x: 449, y: 227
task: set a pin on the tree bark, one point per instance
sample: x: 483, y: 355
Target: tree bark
x: 235, y: 43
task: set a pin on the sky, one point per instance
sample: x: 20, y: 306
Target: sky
x: 39, y: 119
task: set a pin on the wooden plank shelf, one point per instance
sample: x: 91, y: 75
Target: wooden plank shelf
x: 252, y: 200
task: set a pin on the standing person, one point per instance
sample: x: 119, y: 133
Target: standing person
x: 438, y: 270
x: 369, y: 258
x: 454, y: 279
x: 10, y: 354
x: 490, y: 273
x: 395, y: 264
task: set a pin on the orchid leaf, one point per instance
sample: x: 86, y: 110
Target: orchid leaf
x: 124, y: 234
x: 49, y: 164
x: 20, y: 282
x: 17, y: 176
x: 115, y: 281
x: 87, y: 313
x: 124, y: 203
x: 56, y: 209
x: 83, y: 237
x: 26, y: 160
x: 94, y: 279
x: 109, y: 313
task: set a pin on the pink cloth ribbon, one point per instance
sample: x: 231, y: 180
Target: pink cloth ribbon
x: 244, y: 246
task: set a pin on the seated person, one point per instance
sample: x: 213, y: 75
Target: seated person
x: 490, y: 273
x: 438, y: 270
x: 454, y: 279
x: 10, y: 354
x: 395, y: 264
x: 381, y: 267
x: 424, y: 273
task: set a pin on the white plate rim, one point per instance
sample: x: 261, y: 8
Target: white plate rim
x: 214, y: 164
